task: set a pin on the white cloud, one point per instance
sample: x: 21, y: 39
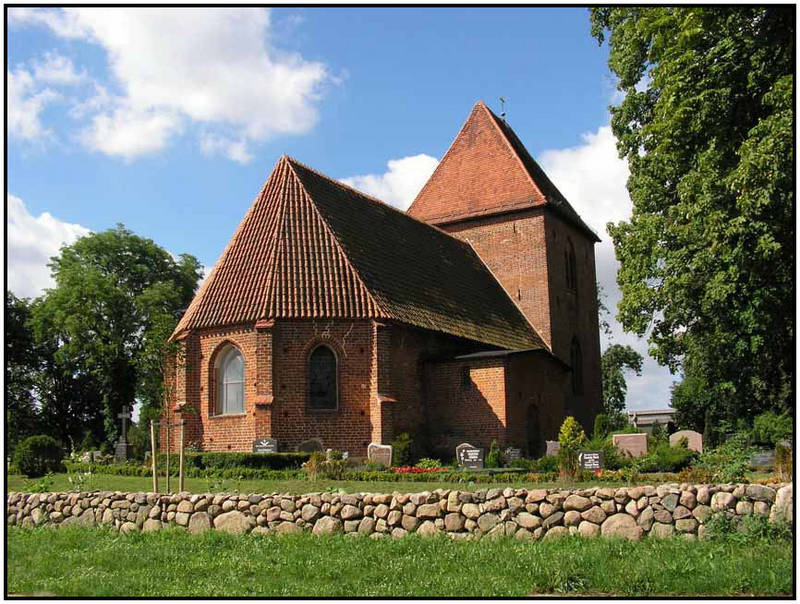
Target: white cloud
x: 232, y: 149
x: 400, y: 184
x: 593, y: 178
x: 215, y: 67
x: 32, y: 241
x: 25, y: 105
x: 129, y: 132
x: 57, y: 69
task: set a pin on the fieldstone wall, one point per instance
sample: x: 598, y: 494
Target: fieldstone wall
x: 629, y: 512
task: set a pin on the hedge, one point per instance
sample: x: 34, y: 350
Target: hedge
x: 225, y: 461
x: 190, y: 472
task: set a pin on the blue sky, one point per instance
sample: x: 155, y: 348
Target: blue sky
x: 170, y: 120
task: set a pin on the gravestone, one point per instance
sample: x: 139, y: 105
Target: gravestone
x: 311, y: 445
x: 121, y: 450
x: 97, y: 456
x: 763, y: 459
x: 86, y: 457
x: 590, y: 460
x: 379, y: 453
x: 265, y: 445
x: 512, y: 453
x: 469, y: 456
x: 633, y: 445
x: 694, y: 439
x: 553, y: 447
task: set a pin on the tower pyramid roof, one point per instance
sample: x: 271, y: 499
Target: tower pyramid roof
x: 488, y: 171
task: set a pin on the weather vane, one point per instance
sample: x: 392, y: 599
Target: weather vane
x: 503, y: 108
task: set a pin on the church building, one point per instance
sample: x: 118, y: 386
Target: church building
x: 334, y: 320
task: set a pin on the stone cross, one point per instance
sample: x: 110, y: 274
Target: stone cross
x: 124, y: 416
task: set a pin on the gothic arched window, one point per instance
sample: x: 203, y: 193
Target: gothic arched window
x: 230, y: 382
x: 322, y: 387
x: 576, y: 362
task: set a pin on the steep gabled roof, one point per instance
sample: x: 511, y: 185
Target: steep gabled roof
x: 311, y: 247
x: 487, y: 171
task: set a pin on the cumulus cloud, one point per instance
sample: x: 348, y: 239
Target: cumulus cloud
x: 32, y: 241
x: 400, y: 183
x: 593, y: 178
x: 213, y: 67
x: 26, y: 101
x: 54, y: 68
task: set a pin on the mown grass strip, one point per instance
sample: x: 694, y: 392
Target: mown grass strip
x: 95, y: 562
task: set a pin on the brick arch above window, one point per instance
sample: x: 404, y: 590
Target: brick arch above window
x: 227, y: 371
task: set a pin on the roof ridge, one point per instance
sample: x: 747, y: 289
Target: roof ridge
x: 373, y: 199
x: 332, y: 234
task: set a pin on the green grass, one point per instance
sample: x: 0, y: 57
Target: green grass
x: 107, y: 482
x: 99, y: 562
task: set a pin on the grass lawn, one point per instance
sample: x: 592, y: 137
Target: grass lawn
x: 107, y: 482
x: 99, y: 562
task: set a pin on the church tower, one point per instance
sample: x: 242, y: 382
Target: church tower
x: 489, y: 191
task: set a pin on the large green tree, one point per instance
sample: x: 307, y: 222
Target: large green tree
x: 707, y: 257
x: 21, y: 368
x: 117, y: 296
x: 616, y: 360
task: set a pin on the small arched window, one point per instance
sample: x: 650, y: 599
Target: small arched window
x: 576, y: 362
x: 322, y: 390
x: 571, y: 270
x: 230, y: 382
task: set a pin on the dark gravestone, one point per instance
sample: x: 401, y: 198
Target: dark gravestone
x: 265, y: 445
x: 512, y: 453
x: 590, y: 460
x: 379, y: 453
x: 469, y: 456
x: 311, y: 445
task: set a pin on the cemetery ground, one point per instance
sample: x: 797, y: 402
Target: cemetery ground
x: 109, y: 482
x: 100, y: 562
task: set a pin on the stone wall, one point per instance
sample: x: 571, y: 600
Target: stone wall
x: 629, y: 512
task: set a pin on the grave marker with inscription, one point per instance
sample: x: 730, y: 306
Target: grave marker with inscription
x: 553, y: 447
x: 265, y: 445
x: 469, y: 456
x: 512, y: 453
x: 379, y: 453
x: 590, y: 460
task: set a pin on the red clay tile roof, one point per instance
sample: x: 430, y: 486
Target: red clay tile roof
x: 486, y: 171
x: 310, y: 247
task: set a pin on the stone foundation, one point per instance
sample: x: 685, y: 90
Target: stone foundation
x: 629, y: 512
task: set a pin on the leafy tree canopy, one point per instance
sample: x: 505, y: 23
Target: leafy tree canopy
x: 614, y: 362
x: 116, y: 299
x: 707, y: 257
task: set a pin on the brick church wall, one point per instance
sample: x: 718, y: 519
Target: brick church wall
x: 525, y: 251
x: 574, y: 313
x: 535, y: 385
x: 402, y: 354
x: 466, y: 400
x: 514, y: 248
x: 282, y: 371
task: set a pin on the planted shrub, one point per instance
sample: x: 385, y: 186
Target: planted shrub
x: 205, y: 460
x: 571, y: 439
x: 401, y: 449
x: 38, y: 455
x: 769, y: 428
x: 495, y: 457
x: 727, y: 462
x: 427, y: 462
x: 664, y: 458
